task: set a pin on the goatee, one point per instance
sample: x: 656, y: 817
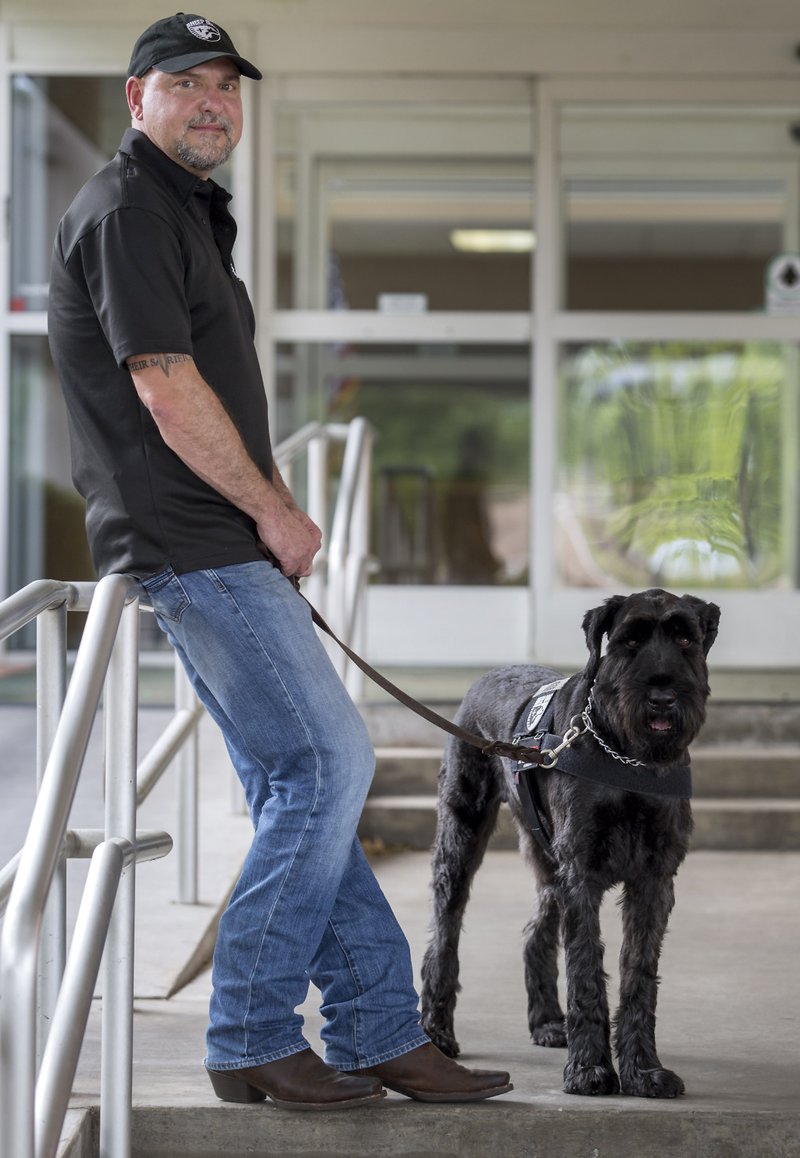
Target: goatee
x: 204, y: 158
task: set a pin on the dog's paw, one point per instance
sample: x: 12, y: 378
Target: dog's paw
x: 590, y: 1081
x: 550, y: 1033
x: 444, y: 1040
x: 655, y: 1083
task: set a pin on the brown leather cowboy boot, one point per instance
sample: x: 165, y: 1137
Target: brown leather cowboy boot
x: 301, y: 1081
x: 428, y: 1075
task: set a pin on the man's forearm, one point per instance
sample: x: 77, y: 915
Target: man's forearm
x: 195, y: 425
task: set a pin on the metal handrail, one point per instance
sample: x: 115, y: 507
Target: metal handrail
x: 108, y: 654
x: 32, y: 884
x: 337, y: 585
x: 53, y: 596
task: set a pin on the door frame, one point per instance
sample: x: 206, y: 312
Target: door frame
x: 425, y: 624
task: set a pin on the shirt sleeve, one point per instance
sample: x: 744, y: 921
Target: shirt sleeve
x: 133, y: 268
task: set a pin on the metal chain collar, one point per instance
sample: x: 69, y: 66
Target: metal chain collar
x: 575, y: 730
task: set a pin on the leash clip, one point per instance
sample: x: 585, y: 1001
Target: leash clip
x: 570, y: 736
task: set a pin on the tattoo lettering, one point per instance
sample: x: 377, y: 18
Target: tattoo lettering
x: 163, y: 361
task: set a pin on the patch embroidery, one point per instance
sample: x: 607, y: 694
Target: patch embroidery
x: 203, y: 29
x: 543, y: 697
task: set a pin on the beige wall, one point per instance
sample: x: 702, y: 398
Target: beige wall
x: 695, y: 38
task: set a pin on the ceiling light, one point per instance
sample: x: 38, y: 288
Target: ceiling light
x: 493, y: 240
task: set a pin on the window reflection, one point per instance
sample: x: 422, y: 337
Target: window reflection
x: 675, y: 209
x: 46, y: 528
x: 63, y: 130
x: 671, y: 244
x: 450, y: 482
x: 370, y: 202
x: 671, y: 465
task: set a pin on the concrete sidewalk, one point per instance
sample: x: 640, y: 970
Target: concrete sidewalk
x: 729, y: 1023
x: 729, y: 1010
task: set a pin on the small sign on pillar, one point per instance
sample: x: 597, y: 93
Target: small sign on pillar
x: 783, y: 285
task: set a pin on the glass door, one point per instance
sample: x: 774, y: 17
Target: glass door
x: 63, y: 128
x: 404, y: 235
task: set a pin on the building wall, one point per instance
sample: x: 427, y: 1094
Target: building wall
x: 374, y: 55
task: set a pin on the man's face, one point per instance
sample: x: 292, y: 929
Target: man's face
x: 195, y: 117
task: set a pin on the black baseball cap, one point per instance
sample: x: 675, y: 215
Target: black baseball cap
x: 182, y: 41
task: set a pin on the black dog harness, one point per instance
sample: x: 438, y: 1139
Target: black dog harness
x: 581, y: 753
x: 534, y: 746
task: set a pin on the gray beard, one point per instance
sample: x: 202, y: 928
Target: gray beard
x: 204, y: 159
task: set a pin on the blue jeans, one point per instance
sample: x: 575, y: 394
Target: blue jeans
x: 307, y: 905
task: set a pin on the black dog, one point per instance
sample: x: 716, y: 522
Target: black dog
x: 637, y: 708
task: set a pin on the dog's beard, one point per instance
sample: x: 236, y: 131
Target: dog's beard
x: 655, y: 735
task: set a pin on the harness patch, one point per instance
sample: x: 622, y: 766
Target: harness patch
x: 539, y: 706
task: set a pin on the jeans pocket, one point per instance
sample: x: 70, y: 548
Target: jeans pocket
x: 167, y: 595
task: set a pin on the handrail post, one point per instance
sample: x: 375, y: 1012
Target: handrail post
x: 185, y: 700
x: 121, y: 716
x: 51, y: 689
x: 359, y: 545
x: 19, y: 942
x: 317, y: 468
x: 341, y: 546
x: 72, y: 1011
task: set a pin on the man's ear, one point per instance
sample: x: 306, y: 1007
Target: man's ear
x: 134, y: 89
x: 708, y: 617
x: 596, y: 624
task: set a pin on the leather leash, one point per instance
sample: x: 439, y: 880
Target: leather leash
x: 489, y: 747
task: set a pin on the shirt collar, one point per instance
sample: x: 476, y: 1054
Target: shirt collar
x: 138, y: 145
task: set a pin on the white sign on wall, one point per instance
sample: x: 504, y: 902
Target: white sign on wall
x: 783, y: 284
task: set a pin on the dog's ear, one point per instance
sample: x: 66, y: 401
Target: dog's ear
x: 596, y: 624
x: 708, y: 616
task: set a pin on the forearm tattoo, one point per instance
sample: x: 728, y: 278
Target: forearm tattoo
x: 162, y: 360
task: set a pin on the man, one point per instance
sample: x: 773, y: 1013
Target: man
x: 152, y: 337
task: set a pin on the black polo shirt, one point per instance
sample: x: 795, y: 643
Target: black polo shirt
x: 142, y: 265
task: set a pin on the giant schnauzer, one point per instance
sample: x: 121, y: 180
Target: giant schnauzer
x: 618, y: 813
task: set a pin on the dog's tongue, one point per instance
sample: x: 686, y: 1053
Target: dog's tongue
x: 660, y: 725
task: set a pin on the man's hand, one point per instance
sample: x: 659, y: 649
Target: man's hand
x: 292, y: 537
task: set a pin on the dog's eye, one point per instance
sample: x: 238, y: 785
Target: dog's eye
x: 683, y: 641
x: 633, y: 642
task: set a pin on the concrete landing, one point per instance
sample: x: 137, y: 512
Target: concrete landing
x: 729, y: 1023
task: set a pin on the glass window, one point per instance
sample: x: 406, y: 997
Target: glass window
x: 451, y: 460
x: 46, y: 516
x: 63, y: 130
x: 412, y: 210
x: 677, y: 465
x: 676, y: 209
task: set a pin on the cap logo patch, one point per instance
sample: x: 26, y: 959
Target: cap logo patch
x: 203, y: 30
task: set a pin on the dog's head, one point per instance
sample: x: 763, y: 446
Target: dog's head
x: 651, y: 686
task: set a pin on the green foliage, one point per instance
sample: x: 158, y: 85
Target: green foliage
x: 445, y: 451
x: 676, y: 449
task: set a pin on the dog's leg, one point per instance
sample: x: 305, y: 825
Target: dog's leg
x: 589, y: 1068
x: 469, y: 799
x: 646, y: 906
x: 545, y: 1016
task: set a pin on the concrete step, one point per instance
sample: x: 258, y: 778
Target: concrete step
x: 727, y: 722
x: 406, y: 770
x: 755, y: 824
x: 447, y: 1131
x: 746, y: 774
x: 746, y: 769
x: 727, y: 770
